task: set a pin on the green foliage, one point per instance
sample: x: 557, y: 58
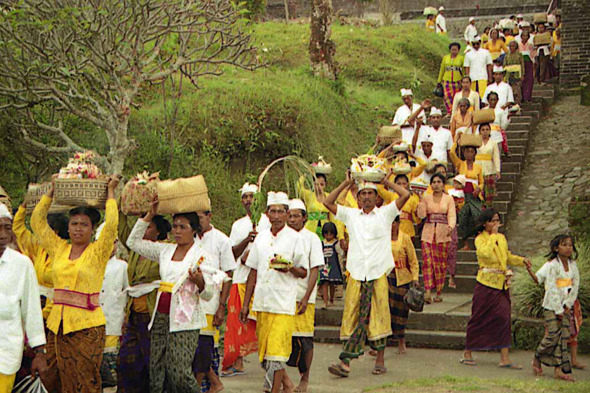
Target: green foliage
x: 256, y: 9
x: 579, y: 217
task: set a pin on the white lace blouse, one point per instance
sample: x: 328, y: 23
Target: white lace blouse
x: 561, y: 287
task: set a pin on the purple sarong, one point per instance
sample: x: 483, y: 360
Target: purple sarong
x: 133, y: 362
x: 490, y: 325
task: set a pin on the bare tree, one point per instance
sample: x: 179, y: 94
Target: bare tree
x: 387, y: 9
x: 91, y: 59
x: 321, y: 48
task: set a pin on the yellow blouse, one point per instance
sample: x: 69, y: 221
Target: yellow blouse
x: 476, y: 173
x: 496, y: 49
x: 30, y: 245
x: 493, y: 253
x: 408, y: 213
x: 406, y: 261
x: 84, y: 274
x: 430, y: 25
x: 317, y: 209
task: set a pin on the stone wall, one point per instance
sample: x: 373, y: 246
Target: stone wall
x: 575, y: 42
x: 411, y: 9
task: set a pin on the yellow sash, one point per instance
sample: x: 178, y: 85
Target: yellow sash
x: 564, y: 282
x: 512, y: 68
x: 166, y: 287
x: 495, y: 127
x: 483, y: 157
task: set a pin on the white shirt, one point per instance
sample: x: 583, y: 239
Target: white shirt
x: 401, y: 119
x: 470, y: 33
x: 20, y: 310
x: 314, y: 257
x: 442, y: 141
x: 440, y: 21
x: 112, y: 296
x: 276, y: 292
x: 217, y: 244
x: 369, y: 252
x: 239, y: 230
x: 501, y: 121
x: 477, y: 61
x: 174, y: 272
x: 557, y: 297
x: 505, y: 94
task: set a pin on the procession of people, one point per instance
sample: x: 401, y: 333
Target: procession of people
x: 155, y: 321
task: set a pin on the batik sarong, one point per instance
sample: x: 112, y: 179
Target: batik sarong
x: 469, y: 216
x: 240, y: 339
x: 133, y: 362
x: 398, y: 309
x: 553, y: 350
x: 451, y: 88
x: 489, y: 190
x: 434, y: 267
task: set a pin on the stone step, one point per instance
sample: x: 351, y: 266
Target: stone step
x: 511, y: 167
x: 532, y: 113
x: 428, y: 321
x: 510, y: 176
x: 513, y: 158
x: 517, y: 134
x: 517, y: 150
x: 521, y: 119
x: 513, y: 142
x: 504, y: 185
x: 532, y: 106
x: 518, y: 127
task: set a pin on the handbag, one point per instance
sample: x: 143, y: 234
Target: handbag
x: 414, y: 299
x: 439, y: 91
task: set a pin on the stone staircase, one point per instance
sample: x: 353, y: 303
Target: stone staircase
x: 443, y: 325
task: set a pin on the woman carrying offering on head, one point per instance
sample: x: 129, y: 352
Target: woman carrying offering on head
x: 462, y: 121
x: 515, y: 71
x: 438, y: 209
x: 527, y: 48
x: 500, y: 123
x: 76, y: 325
x: 488, y: 157
x: 466, y: 92
x: 408, y: 213
x: 490, y: 325
x: 495, y: 45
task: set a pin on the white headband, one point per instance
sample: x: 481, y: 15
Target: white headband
x: 435, y: 111
x: 297, y: 204
x: 4, y: 212
x: 406, y: 92
x: 277, y: 198
x: 363, y: 184
x: 248, y: 188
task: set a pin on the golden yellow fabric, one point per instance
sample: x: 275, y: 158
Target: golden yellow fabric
x: 84, y: 274
x: 564, y: 282
x: 274, y: 332
x: 496, y: 49
x: 429, y: 190
x: 410, y: 208
x: 493, y: 253
x: 211, y: 330
x: 242, y: 290
x: 476, y: 173
x: 555, y: 45
x: 430, y: 26
x: 379, y: 319
x: 166, y: 287
x: 140, y: 304
x: 6, y: 382
x: 111, y: 342
x: 406, y: 261
x: 304, y: 323
x: 484, y: 38
x: 313, y: 205
x: 483, y: 85
x: 30, y: 245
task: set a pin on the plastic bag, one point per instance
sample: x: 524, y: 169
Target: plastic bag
x: 29, y: 385
x: 414, y: 298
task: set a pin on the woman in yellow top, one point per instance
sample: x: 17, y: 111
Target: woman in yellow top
x: 30, y: 245
x: 556, y: 47
x: 450, y: 74
x: 430, y: 24
x: 489, y: 327
x: 495, y: 45
x: 485, y: 37
x: 76, y: 336
x: 406, y: 271
x: 317, y: 213
x: 408, y: 213
x: 488, y: 156
x: 469, y: 214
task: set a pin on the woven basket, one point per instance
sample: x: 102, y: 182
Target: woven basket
x: 542, y: 39
x: 184, y: 195
x: 136, y: 198
x: 389, y: 134
x: 34, y: 194
x: 81, y: 192
x: 540, y: 18
x: 484, y: 116
x: 470, y: 140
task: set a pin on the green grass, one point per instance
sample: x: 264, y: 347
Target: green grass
x: 234, y: 125
x: 460, y: 384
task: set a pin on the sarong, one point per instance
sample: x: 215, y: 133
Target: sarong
x: 489, y: 190
x: 204, y: 355
x: 6, y: 382
x: 398, y: 309
x: 479, y: 86
x: 575, y: 324
x: 240, y: 340
x: 553, y: 350
x: 529, y: 81
x: 274, y: 333
x: 304, y: 323
x: 300, y: 347
x: 516, y: 85
x: 451, y: 88
x: 468, y: 216
x: 434, y: 266
x: 490, y: 325
x: 452, y: 255
x: 73, y: 361
x: 366, y: 317
x: 171, y: 357
x: 133, y: 362
x: 542, y: 69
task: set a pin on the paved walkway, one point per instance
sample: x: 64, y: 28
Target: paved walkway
x: 417, y: 363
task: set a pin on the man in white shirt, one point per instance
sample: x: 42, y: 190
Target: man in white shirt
x: 240, y: 340
x: 442, y: 138
x: 478, y: 65
x: 503, y: 89
x: 276, y: 262
x: 20, y: 308
x: 470, y: 31
x: 425, y: 153
x: 366, y: 312
x: 403, y: 115
x: 441, y: 23
x: 302, y: 352
x: 217, y: 244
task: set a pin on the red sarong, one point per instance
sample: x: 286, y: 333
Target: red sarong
x: 240, y: 339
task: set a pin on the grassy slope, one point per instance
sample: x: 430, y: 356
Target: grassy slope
x: 235, y: 124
